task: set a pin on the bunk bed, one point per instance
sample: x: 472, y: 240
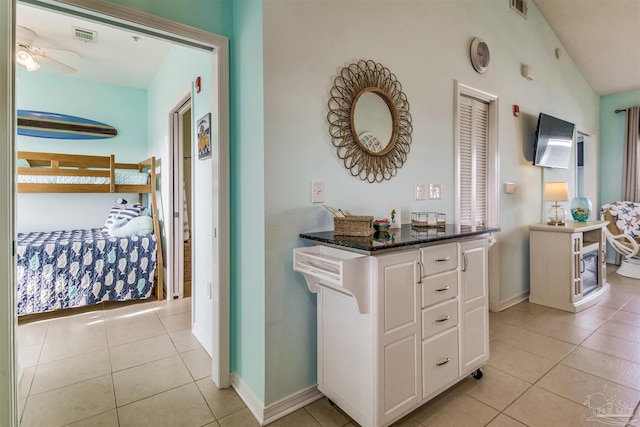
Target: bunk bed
x: 64, y: 269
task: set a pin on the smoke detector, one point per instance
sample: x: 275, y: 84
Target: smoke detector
x: 85, y: 35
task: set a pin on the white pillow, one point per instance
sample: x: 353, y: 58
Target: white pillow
x: 138, y: 226
x: 122, y: 212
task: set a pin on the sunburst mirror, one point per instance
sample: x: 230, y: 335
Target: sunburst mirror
x: 369, y: 121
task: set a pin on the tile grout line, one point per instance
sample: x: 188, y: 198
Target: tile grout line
x: 559, y: 362
x: 556, y: 363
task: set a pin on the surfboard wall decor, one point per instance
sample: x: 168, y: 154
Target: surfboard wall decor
x: 40, y: 124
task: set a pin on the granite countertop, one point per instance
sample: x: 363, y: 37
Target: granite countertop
x: 396, y: 237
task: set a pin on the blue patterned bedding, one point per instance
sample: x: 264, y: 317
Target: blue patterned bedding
x: 63, y: 269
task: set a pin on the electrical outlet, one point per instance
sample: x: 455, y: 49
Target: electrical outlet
x: 317, y: 191
x: 421, y: 192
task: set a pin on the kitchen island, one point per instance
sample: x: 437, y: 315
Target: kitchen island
x: 402, y: 316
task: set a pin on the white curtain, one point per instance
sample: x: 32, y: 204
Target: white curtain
x: 631, y: 161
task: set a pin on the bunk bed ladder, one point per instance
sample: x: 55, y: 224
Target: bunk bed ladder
x: 156, y: 230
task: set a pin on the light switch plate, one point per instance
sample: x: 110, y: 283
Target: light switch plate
x: 509, y: 188
x: 421, y: 192
x: 435, y: 191
x: 317, y: 191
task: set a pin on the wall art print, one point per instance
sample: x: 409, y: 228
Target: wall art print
x: 203, y: 128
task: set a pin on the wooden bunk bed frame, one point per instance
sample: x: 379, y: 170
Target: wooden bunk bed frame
x: 51, y: 164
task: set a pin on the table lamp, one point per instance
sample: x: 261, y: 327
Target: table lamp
x: 556, y: 192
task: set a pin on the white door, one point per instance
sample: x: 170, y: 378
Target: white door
x: 477, y: 171
x: 399, y: 369
x: 474, y: 307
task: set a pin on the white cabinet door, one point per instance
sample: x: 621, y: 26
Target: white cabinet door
x: 439, y: 361
x: 474, y: 336
x: 398, y: 330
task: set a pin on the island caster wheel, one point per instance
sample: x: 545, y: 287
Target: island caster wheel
x: 477, y: 374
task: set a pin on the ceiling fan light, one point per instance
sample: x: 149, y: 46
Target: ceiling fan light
x: 32, y: 66
x: 25, y: 58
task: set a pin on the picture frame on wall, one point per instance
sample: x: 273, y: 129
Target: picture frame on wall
x: 203, y: 129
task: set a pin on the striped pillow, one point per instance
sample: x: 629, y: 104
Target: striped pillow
x: 122, y: 212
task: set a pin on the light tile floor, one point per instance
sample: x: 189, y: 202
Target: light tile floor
x: 139, y: 365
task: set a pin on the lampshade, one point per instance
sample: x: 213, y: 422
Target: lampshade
x: 556, y: 192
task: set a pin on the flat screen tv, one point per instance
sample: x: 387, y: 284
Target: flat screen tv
x: 553, y: 142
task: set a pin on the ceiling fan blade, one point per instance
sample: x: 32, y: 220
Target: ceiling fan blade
x: 54, y: 64
x: 60, y: 53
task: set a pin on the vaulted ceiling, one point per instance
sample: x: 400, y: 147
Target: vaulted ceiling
x: 602, y: 37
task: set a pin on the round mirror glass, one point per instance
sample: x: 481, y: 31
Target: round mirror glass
x: 373, y: 122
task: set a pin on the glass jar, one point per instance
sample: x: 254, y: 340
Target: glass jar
x: 580, y: 209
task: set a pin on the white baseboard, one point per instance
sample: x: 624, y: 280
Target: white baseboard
x: 270, y: 413
x: 248, y: 397
x: 516, y: 299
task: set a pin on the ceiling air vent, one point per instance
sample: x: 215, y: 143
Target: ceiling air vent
x: 88, y: 36
x: 520, y: 6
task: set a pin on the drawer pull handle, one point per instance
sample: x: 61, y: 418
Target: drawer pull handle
x: 445, y: 259
x: 443, y: 319
x: 446, y: 288
x: 443, y: 363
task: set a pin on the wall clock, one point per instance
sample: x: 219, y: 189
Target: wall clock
x: 479, y: 55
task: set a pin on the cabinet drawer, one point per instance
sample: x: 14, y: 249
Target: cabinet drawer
x: 439, y: 287
x: 439, y: 361
x: 439, y: 317
x: 436, y: 259
x: 339, y: 270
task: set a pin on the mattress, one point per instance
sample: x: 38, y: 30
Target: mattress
x: 63, y: 269
x: 122, y: 177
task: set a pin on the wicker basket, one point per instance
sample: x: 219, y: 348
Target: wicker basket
x: 353, y: 225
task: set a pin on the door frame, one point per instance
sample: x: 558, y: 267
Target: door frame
x: 8, y: 317
x: 177, y: 201
x: 591, y: 175
x: 155, y: 26
x: 493, y: 181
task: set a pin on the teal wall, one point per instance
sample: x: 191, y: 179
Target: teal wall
x: 122, y: 107
x: 248, y: 252
x: 241, y: 21
x: 611, y: 138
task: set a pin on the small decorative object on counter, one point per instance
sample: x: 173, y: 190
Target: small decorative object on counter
x: 381, y: 224
x: 428, y: 220
x: 580, y: 209
x: 394, y: 214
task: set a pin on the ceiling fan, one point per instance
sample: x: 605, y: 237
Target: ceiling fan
x: 31, y: 56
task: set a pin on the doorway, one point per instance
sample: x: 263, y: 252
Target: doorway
x: 182, y: 208
x: 587, y: 170
x: 477, y: 190
x: 119, y: 16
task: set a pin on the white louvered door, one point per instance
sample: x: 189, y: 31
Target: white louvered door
x: 472, y: 161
